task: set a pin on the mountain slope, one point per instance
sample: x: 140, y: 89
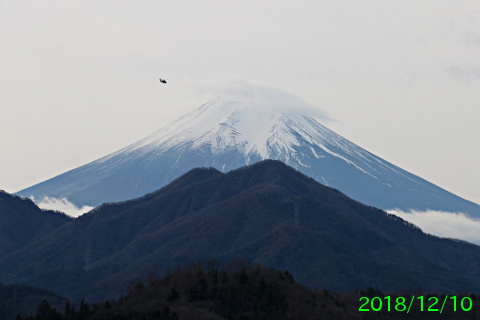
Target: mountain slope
x: 240, y: 129
x: 268, y: 213
x: 23, y: 222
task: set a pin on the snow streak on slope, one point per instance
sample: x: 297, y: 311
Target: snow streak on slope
x: 240, y: 127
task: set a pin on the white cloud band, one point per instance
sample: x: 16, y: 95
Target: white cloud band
x: 455, y: 225
x: 63, y: 205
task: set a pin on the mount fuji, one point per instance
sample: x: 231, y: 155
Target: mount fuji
x: 238, y: 128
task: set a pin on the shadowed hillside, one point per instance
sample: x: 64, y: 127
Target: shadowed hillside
x: 22, y: 222
x: 268, y: 213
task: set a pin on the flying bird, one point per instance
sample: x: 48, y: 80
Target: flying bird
x: 162, y: 80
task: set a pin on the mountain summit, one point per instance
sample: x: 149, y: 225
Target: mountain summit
x: 241, y: 127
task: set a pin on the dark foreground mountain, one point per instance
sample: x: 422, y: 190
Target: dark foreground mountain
x: 241, y: 128
x: 22, y: 222
x: 268, y: 213
x: 240, y: 290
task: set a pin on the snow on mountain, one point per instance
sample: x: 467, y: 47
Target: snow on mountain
x: 241, y: 127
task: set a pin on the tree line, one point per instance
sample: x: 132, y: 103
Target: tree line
x: 241, y: 290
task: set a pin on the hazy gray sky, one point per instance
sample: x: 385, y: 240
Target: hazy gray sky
x: 79, y: 79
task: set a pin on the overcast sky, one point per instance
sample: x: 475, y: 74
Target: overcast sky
x: 400, y: 78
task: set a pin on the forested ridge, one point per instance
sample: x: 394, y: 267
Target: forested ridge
x: 267, y: 212
x: 243, y: 290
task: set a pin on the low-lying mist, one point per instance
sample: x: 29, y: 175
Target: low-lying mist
x: 455, y: 225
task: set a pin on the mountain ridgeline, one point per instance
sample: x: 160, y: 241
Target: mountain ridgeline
x: 268, y: 213
x: 235, y: 130
x: 22, y: 222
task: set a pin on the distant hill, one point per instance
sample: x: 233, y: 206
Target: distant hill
x: 25, y: 300
x: 268, y: 213
x: 22, y: 222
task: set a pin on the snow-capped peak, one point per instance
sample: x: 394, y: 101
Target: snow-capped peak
x: 252, y: 119
x: 241, y: 125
